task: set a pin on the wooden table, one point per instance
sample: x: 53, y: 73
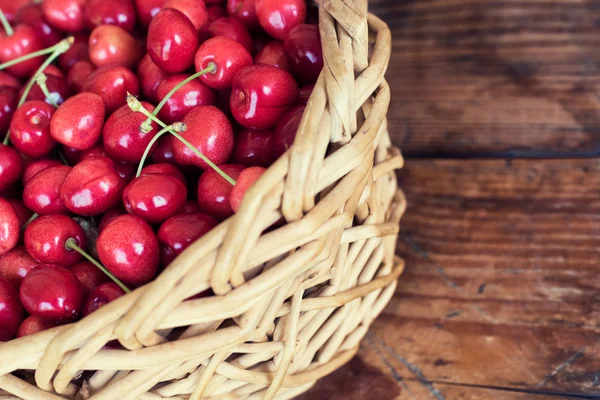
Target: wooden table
x: 496, y: 105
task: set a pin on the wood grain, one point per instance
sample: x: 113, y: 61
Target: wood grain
x: 490, y: 77
x: 501, y: 286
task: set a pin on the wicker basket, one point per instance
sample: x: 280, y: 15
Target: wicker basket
x: 292, y: 302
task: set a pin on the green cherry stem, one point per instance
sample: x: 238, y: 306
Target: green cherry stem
x: 38, y: 53
x: 135, y: 105
x: 30, y: 220
x: 70, y: 244
x: 212, y: 67
x: 177, y: 127
x: 41, y: 81
x: 6, y: 24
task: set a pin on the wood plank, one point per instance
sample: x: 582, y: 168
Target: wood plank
x: 490, y: 77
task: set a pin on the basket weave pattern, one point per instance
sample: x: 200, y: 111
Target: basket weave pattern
x: 291, y: 303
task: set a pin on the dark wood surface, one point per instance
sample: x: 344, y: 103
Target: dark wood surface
x: 501, y: 295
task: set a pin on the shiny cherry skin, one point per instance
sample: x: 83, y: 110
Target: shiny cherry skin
x: 7, y: 79
x: 172, y: 41
x: 209, y: 131
x: 254, y: 148
x: 125, y: 170
x: 150, y: 76
x: 23, y: 41
x: 55, y: 71
x: 10, y: 227
x: 214, y: 191
x: 109, y: 216
x: 9, y: 99
x: 11, y: 166
x: 147, y: 9
x: 245, y: 11
x: 92, y: 187
x: 11, y: 311
x: 129, y: 249
x: 185, y: 99
x: 154, y: 197
x: 66, y: 15
x: 78, y: 74
x: 181, y: 230
x: 77, y: 123
x: 285, y: 133
x: 41, y: 194
x: 123, y: 139
x: 112, y: 84
x: 120, y: 13
x: 23, y: 213
x: 52, y: 292
x: 243, y: 183
x: 32, y: 168
x: 273, y: 54
x: 195, y: 10
x: 278, y: 17
x: 89, y: 276
x: 232, y: 28
x: 305, y: 93
x: 164, y: 150
x: 10, y: 8
x: 215, y: 12
x: 111, y: 45
x: 304, y: 52
x: 261, y: 94
x: 30, y: 129
x: 190, y: 206
x: 58, y: 88
x: 77, y: 52
x: 45, y: 239
x: 33, y: 16
x: 32, y: 325
x: 15, y: 265
x: 229, y: 58
x: 165, y: 169
x: 101, y: 296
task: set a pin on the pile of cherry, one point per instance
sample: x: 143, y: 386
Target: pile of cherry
x: 132, y: 128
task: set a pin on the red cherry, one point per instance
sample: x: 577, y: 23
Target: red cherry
x: 229, y: 58
x: 278, y: 17
x: 101, y: 296
x: 147, y: 9
x: 209, y: 131
x: 164, y: 150
x: 150, y: 76
x: 30, y: 129
x: 233, y: 29
x: 32, y: 168
x: 78, y: 122
x: 154, y: 197
x: 46, y: 236
x: 165, y: 169
x: 125, y: 170
x: 172, y: 41
x: 189, y: 96
x: 89, y: 276
x: 8, y: 105
x: 15, y: 265
x: 78, y: 74
x: 7, y: 79
x: 77, y: 52
x: 10, y: 226
x: 109, y: 216
x: 129, y: 249
x: 59, y: 91
x: 96, y: 151
x: 71, y: 155
x: 11, y: 166
x: 111, y: 45
x: 11, y: 311
x: 261, y: 94
x: 54, y: 71
x: 243, y: 183
x: 305, y: 93
x: 190, y: 206
x: 245, y: 11
x: 254, y: 148
x: 273, y: 54
x: 66, y: 15
x: 123, y: 139
x: 303, y: 50
x: 112, y: 84
x: 215, y: 12
x: 11, y: 8
x: 195, y: 10
x: 214, y: 191
x: 32, y: 325
x: 41, y: 194
x: 33, y: 16
x: 23, y: 41
x: 286, y: 130
x: 92, y: 187
x: 110, y: 12
x: 52, y: 292
x: 181, y: 230
x: 23, y: 213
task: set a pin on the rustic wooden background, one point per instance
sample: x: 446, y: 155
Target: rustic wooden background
x: 496, y: 107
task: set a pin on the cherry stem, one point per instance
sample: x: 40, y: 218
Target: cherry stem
x: 70, y: 244
x: 6, y: 24
x: 177, y: 126
x: 41, y: 81
x: 136, y: 106
x: 30, y: 220
x: 147, y: 125
x: 35, y: 54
